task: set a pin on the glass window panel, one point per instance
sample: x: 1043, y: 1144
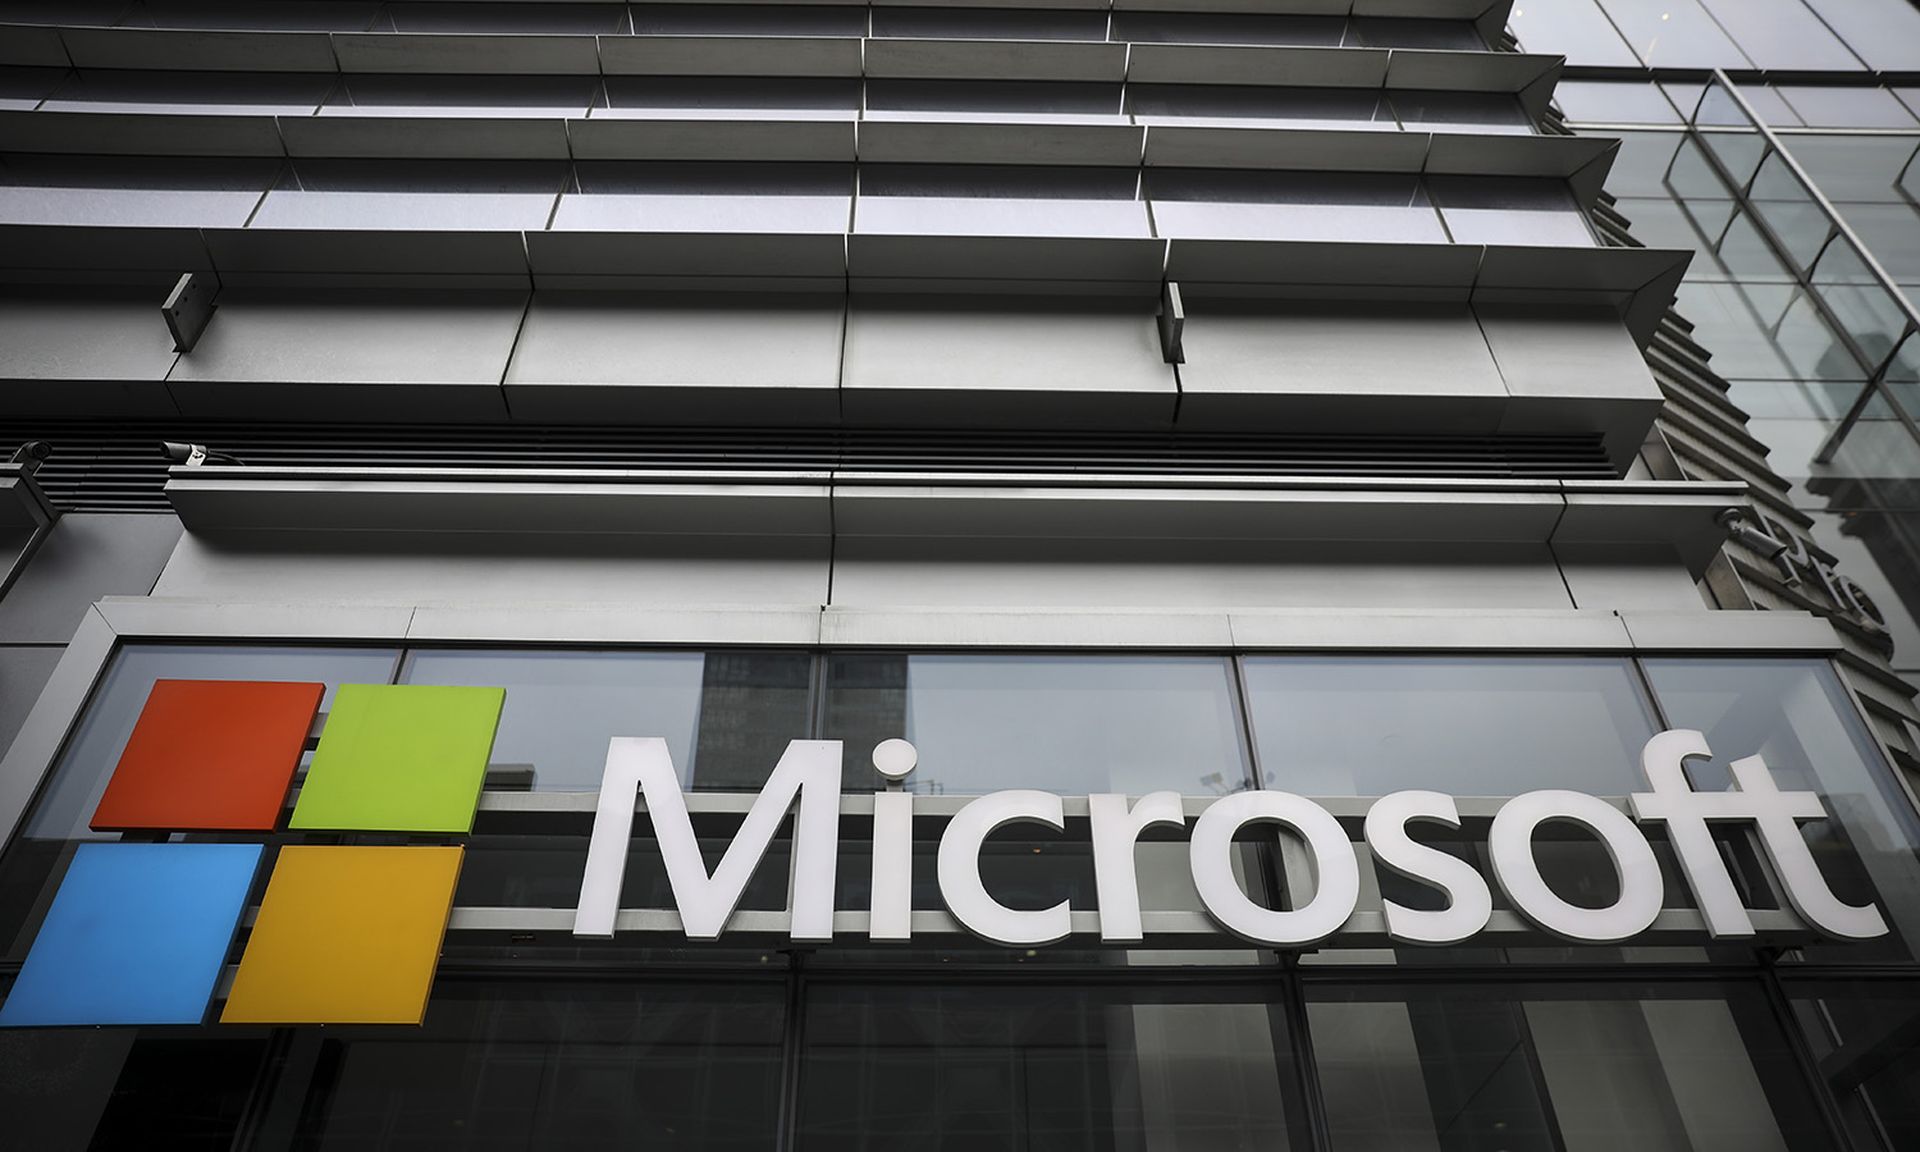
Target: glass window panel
x: 1480, y: 112
x: 142, y: 191
x: 1891, y: 232
x: 731, y: 97
x: 218, y: 93
x: 1665, y: 223
x: 564, y: 1064
x: 1674, y: 34
x: 1799, y: 399
x: 60, y: 814
x: 1228, y: 28
x: 748, y: 20
x: 1226, y: 104
x: 493, y: 16
x: 1796, y: 715
x: 1847, y: 107
x: 1544, y: 1068
x: 1764, y: 332
x: 1398, y: 32
x: 1644, y: 161
x: 24, y: 88
x: 990, y: 23
x: 1869, y: 315
x: 934, y: 1067
x: 1855, y: 168
x: 1866, y: 1040
x: 1507, y: 210
x: 1782, y: 34
x: 68, y: 1088
x: 251, y: 14
x: 1069, y: 724
x: 1576, y: 29
x: 376, y: 95
x: 992, y: 100
x: 1614, y: 102
x: 1884, y: 33
x: 1364, y: 726
x: 1874, y: 532
x: 1772, y: 108
x: 726, y: 716
x: 1686, y: 97
x: 1911, y: 98
x: 422, y: 194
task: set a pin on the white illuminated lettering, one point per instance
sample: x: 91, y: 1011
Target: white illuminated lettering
x: 1336, y: 870
x: 1510, y: 846
x: 809, y: 770
x: 1470, y: 902
x: 960, y: 884
x: 1115, y: 829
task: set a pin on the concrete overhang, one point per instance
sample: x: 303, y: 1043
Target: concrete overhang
x: 1682, y: 515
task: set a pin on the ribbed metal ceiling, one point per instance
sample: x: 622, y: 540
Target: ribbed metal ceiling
x: 99, y: 466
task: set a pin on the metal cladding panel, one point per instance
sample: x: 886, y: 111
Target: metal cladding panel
x: 930, y: 361
x: 1187, y: 575
x: 268, y: 337
x: 24, y: 671
x: 481, y: 568
x: 85, y: 556
x: 685, y: 360
x: 67, y: 336
x: 730, y: 56
x: 1323, y: 362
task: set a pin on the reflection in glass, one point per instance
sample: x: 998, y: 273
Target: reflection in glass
x: 125, y: 1088
x: 1360, y: 726
x: 726, y: 716
x: 1866, y: 1038
x: 1075, y: 1068
x: 564, y: 1064
x: 1796, y: 715
x: 1067, y: 724
x: 1557, y: 1068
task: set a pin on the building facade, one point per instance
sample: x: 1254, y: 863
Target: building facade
x: 1152, y: 575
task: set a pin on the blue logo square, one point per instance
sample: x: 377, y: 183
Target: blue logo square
x: 136, y: 935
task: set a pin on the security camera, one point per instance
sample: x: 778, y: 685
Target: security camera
x: 194, y: 455
x: 31, y: 455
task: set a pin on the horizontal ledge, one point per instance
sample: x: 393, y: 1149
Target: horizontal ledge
x: 1364, y: 929
x: 1349, y: 810
x: 1684, y: 514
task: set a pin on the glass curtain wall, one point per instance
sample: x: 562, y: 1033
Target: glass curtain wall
x: 537, y: 1040
x: 1792, y: 174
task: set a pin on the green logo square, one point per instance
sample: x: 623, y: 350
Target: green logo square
x: 400, y: 758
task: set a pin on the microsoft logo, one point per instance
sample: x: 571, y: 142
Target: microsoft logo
x: 138, y: 932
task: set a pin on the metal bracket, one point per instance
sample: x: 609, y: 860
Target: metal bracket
x: 1172, y: 320
x: 188, y: 309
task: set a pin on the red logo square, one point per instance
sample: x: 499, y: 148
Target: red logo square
x: 210, y: 755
